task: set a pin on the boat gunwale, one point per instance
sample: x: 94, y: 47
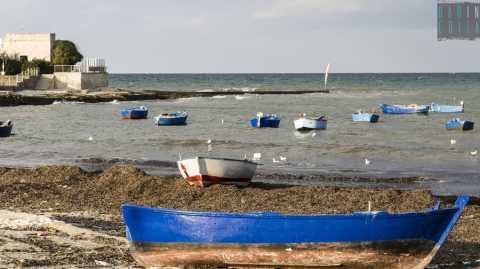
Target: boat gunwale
x: 220, y: 158
x: 276, y: 215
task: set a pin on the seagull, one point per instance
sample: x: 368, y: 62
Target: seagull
x: 283, y: 158
x: 90, y: 138
x: 209, y: 141
x: 453, y: 141
x: 474, y: 153
x: 367, y: 161
x: 257, y: 156
x: 314, y: 134
x: 275, y: 161
x: 222, y: 121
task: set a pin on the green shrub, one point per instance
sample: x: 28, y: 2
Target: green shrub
x: 65, y: 53
x: 12, y: 66
x: 44, y: 67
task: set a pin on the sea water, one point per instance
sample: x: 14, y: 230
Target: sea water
x: 397, y: 146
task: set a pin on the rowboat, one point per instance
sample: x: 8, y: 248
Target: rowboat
x: 373, y: 239
x: 303, y: 123
x: 204, y: 171
x: 6, y: 128
x: 447, y: 108
x: 363, y: 116
x: 458, y: 124
x: 133, y: 113
x: 176, y: 118
x: 268, y: 120
x: 404, y: 109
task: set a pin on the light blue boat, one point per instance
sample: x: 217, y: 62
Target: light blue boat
x: 366, y: 117
x: 162, y: 237
x: 176, y: 118
x: 458, y: 124
x: 404, y: 109
x: 447, y: 108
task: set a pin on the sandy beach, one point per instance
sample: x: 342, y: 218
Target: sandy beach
x: 64, y: 217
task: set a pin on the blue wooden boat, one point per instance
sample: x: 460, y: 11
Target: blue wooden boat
x: 363, y: 116
x: 6, y: 128
x: 176, y: 118
x: 134, y: 113
x: 447, y: 108
x: 458, y: 124
x: 262, y: 121
x: 404, y: 109
x: 166, y: 237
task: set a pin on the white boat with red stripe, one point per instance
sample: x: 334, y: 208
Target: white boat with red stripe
x: 205, y: 171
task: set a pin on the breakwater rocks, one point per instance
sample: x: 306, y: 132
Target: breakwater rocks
x: 30, y: 97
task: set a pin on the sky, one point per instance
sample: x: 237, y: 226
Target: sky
x: 249, y: 36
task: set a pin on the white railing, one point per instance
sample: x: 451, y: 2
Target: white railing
x: 88, y: 65
x: 14, y: 80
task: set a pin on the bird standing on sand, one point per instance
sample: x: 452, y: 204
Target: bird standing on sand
x: 367, y: 162
x: 474, y: 153
x: 90, y: 138
x: 453, y: 141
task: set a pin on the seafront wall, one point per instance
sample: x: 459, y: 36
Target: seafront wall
x: 72, y: 80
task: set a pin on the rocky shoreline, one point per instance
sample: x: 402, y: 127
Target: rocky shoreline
x: 39, y: 97
x: 75, y: 218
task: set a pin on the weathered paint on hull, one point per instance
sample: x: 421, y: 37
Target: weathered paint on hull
x: 413, y: 254
x: 205, y: 181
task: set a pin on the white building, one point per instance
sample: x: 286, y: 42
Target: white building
x: 31, y: 45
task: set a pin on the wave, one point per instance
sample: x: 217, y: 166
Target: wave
x: 65, y: 102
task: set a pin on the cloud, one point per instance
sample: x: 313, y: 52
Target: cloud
x: 296, y: 8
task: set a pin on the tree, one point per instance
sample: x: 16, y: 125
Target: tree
x: 65, y: 53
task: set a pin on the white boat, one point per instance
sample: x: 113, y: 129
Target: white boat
x: 305, y: 123
x: 204, y: 171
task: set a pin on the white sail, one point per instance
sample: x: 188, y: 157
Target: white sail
x: 326, y: 74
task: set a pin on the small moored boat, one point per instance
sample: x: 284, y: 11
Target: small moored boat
x: 134, y: 113
x: 169, y: 238
x: 262, y: 121
x: 363, y: 116
x: 447, y: 108
x: 204, y: 171
x: 458, y: 124
x: 6, y: 128
x: 315, y: 123
x: 404, y: 109
x: 176, y: 118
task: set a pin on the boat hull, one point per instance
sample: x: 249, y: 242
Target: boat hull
x: 388, y: 254
x: 265, y: 122
x: 310, y: 124
x: 446, y: 109
x: 166, y: 237
x: 163, y: 121
x: 400, y: 109
x: 134, y: 114
x: 5, y: 130
x: 459, y: 125
x: 207, y: 171
x: 365, y: 117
